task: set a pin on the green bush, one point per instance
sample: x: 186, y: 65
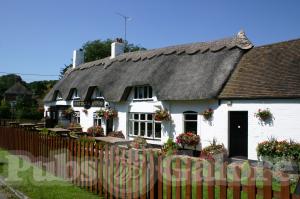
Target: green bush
x: 5, y: 110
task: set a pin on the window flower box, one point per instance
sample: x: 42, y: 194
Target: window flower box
x: 215, y: 152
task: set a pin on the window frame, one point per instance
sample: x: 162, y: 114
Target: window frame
x: 75, y: 95
x: 184, y: 120
x: 140, y: 90
x: 97, y: 119
x: 76, y: 117
x: 153, y: 122
x: 97, y: 94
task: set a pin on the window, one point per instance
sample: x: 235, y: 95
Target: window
x: 58, y: 96
x: 97, y: 94
x: 96, y: 119
x: 190, y: 121
x: 76, y: 117
x: 75, y: 94
x: 143, y: 92
x: 143, y: 124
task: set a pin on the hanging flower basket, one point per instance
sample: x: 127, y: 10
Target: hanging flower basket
x: 263, y: 114
x: 162, y: 115
x: 107, y: 113
x: 68, y: 112
x: 85, y: 111
x: 207, y: 114
x: 188, y: 139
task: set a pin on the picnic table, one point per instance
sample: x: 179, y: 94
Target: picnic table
x: 40, y: 125
x: 113, y: 140
x: 27, y: 125
x: 60, y: 131
x: 14, y: 124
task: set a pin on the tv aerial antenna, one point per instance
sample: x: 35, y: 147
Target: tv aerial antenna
x: 126, y: 18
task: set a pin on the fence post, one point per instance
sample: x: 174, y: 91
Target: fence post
x: 188, y: 191
x: 178, y: 178
x: 237, y: 182
x: 267, y: 187
x: 223, y: 180
x: 144, y: 190
x: 152, y: 175
x: 160, y: 177
x: 211, y: 180
x: 284, y: 186
x: 251, y: 188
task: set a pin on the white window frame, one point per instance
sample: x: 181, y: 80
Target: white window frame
x: 146, y: 121
x: 75, y: 94
x: 76, y: 117
x: 184, y: 120
x: 97, y: 94
x: 140, y: 90
x: 58, y: 96
x: 96, y: 119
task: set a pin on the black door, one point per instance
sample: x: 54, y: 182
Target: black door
x: 238, y: 133
x: 109, y: 125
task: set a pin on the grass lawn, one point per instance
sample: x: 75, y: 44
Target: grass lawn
x: 49, y: 187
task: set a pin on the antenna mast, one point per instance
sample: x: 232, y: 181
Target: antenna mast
x: 126, y: 18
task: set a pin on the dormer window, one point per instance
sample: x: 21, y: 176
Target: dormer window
x: 97, y: 94
x: 58, y: 96
x: 142, y: 92
x: 75, y: 94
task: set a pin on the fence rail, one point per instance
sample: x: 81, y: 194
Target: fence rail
x: 116, y: 172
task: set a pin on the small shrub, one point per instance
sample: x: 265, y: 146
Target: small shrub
x: 170, y: 147
x: 87, y: 140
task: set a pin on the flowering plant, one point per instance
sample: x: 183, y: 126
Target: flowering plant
x: 138, y: 143
x: 107, y: 113
x: 170, y: 147
x: 188, y: 138
x: 279, y: 149
x: 162, y: 115
x: 264, y: 114
x: 96, y: 131
x: 208, y: 113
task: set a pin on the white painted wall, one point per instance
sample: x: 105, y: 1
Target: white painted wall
x: 286, y: 123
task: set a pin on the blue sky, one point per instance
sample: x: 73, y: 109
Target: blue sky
x: 38, y: 36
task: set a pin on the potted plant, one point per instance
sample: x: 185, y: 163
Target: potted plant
x: 162, y: 114
x: 215, y: 151
x: 95, y: 131
x: 138, y: 143
x: 170, y: 147
x: 188, y: 139
x: 117, y: 134
x: 207, y: 114
x: 263, y: 114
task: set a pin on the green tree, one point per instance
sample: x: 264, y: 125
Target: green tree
x: 5, y: 110
x: 27, y: 108
x: 98, y: 49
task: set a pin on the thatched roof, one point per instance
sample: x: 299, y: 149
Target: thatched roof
x: 18, y: 89
x: 270, y: 71
x: 184, y: 72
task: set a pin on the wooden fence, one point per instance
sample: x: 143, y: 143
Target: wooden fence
x: 116, y: 172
